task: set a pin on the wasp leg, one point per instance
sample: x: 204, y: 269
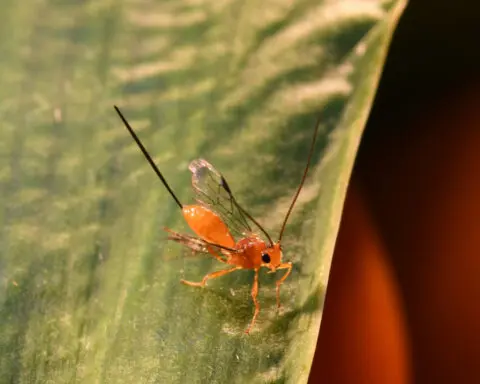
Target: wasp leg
x: 282, y: 279
x: 255, y: 301
x: 216, y: 255
x: 212, y: 275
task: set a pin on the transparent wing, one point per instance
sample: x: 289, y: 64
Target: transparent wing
x: 212, y: 191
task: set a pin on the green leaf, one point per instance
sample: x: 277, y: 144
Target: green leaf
x: 89, y: 286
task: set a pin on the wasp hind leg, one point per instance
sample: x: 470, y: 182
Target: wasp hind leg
x: 212, y: 275
x: 216, y: 255
x: 194, y: 243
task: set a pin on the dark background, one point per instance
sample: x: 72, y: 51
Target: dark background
x: 403, y: 301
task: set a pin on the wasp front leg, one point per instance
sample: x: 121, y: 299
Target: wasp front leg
x: 282, y: 279
x: 255, y: 302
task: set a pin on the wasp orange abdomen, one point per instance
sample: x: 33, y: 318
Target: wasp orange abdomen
x: 208, y: 225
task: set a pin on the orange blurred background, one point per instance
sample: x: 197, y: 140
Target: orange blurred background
x: 403, y: 300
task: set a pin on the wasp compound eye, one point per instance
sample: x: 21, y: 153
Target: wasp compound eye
x: 266, y: 258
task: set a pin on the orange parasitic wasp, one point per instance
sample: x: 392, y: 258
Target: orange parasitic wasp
x: 223, y: 227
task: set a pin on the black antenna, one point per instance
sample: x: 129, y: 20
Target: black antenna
x: 147, y: 156
x: 312, y: 146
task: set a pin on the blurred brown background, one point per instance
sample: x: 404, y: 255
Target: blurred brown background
x: 403, y: 301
